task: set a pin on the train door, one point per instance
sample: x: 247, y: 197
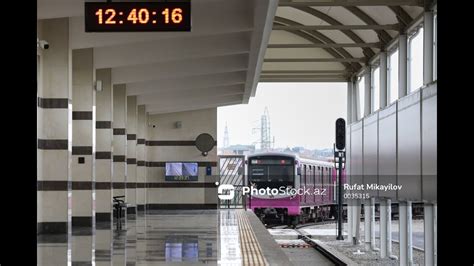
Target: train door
x: 303, y: 181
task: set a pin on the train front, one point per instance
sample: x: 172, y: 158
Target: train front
x: 274, y: 175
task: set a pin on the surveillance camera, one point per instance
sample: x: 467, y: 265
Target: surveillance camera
x: 154, y: 126
x: 43, y: 44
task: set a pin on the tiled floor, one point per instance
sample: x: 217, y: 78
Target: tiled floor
x: 157, y: 238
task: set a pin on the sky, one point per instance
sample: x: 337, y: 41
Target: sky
x: 301, y: 114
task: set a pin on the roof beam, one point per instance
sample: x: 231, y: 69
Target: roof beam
x: 338, y: 27
x: 303, y: 80
x: 325, y: 45
x: 342, y: 72
x: 302, y: 77
x: 354, y: 3
x: 312, y: 60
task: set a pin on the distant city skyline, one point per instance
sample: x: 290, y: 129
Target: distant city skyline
x: 301, y: 114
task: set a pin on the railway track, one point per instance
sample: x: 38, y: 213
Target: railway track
x: 279, y: 226
x: 328, y: 255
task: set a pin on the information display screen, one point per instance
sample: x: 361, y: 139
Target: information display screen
x: 181, y: 171
x: 137, y: 16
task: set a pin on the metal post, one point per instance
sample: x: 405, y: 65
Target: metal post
x: 367, y: 218
x: 435, y: 233
x: 383, y: 79
x: 383, y: 229
x: 402, y: 65
x: 428, y: 47
x: 357, y: 101
x: 429, y: 233
x: 372, y: 225
x: 389, y: 230
x: 349, y: 101
x: 402, y: 212
x: 409, y: 234
x: 350, y: 217
x: 339, y: 207
x: 368, y: 92
x: 357, y: 222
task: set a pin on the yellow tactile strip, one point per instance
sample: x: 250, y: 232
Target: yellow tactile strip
x: 251, y: 251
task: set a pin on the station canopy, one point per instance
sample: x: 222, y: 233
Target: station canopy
x: 234, y: 44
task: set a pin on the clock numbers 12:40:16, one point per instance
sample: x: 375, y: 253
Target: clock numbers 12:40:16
x: 142, y: 16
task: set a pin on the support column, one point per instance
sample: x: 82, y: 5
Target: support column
x: 131, y: 188
x: 119, y: 140
x: 357, y: 102
x: 372, y: 225
x: 350, y: 218
x: 435, y: 234
x: 349, y: 102
x: 383, y: 79
x: 428, y: 47
x: 103, y: 154
x: 368, y: 92
x: 389, y: 230
x: 429, y: 234
x: 141, y: 169
x: 403, y: 224
x: 367, y: 219
x: 402, y: 65
x: 83, y: 132
x: 409, y: 234
x: 357, y: 222
x: 383, y: 228
x: 53, y: 130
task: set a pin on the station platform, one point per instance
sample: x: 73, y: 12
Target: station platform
x: 168, y: 237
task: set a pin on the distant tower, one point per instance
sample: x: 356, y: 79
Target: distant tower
x: 265, y: 139
x: 226, y: 136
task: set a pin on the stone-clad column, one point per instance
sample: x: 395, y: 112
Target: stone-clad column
x: 141, y: 170
x: 83, y: 134
x: 103, y: 154
x: 119, y: 140
x: 131, y: 186
x: 53, y: 130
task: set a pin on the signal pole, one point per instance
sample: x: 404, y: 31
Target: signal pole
x: 339, y: 156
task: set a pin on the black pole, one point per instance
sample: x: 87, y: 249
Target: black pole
x: 339, y: 207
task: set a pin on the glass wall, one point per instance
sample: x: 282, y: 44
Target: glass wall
x: 415, y: 60
x: 392, y: 76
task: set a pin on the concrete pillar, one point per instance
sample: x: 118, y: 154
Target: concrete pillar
x: 141, y: 169
x: 119, y: 139
x: 103, y: 247
x: 428, y: 47
x: 131, y: 188
x: 402, y: 65
x: 368, y: 92
x: 103, y: 154
x: 81, y: 249
x: 409, y: 234
x: 383, y: 228
x: 429, y: 234
x: 389, y: 230
x: 83, y: 132
x: 54, y: 134
x: 349, y: 102
x: 383, y: 79
x: 367, y: 219
x: 131, y: 235
x: 403, y: 228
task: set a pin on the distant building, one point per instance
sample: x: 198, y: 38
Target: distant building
x: 238, y: 149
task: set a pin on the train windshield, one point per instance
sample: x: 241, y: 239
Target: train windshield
x: 271, y: 172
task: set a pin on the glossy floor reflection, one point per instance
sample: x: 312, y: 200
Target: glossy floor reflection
x: 157, y: 238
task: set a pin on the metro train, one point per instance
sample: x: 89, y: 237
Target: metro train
x: 286, y: 173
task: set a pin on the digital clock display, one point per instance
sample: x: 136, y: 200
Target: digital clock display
x: 137, y: 16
